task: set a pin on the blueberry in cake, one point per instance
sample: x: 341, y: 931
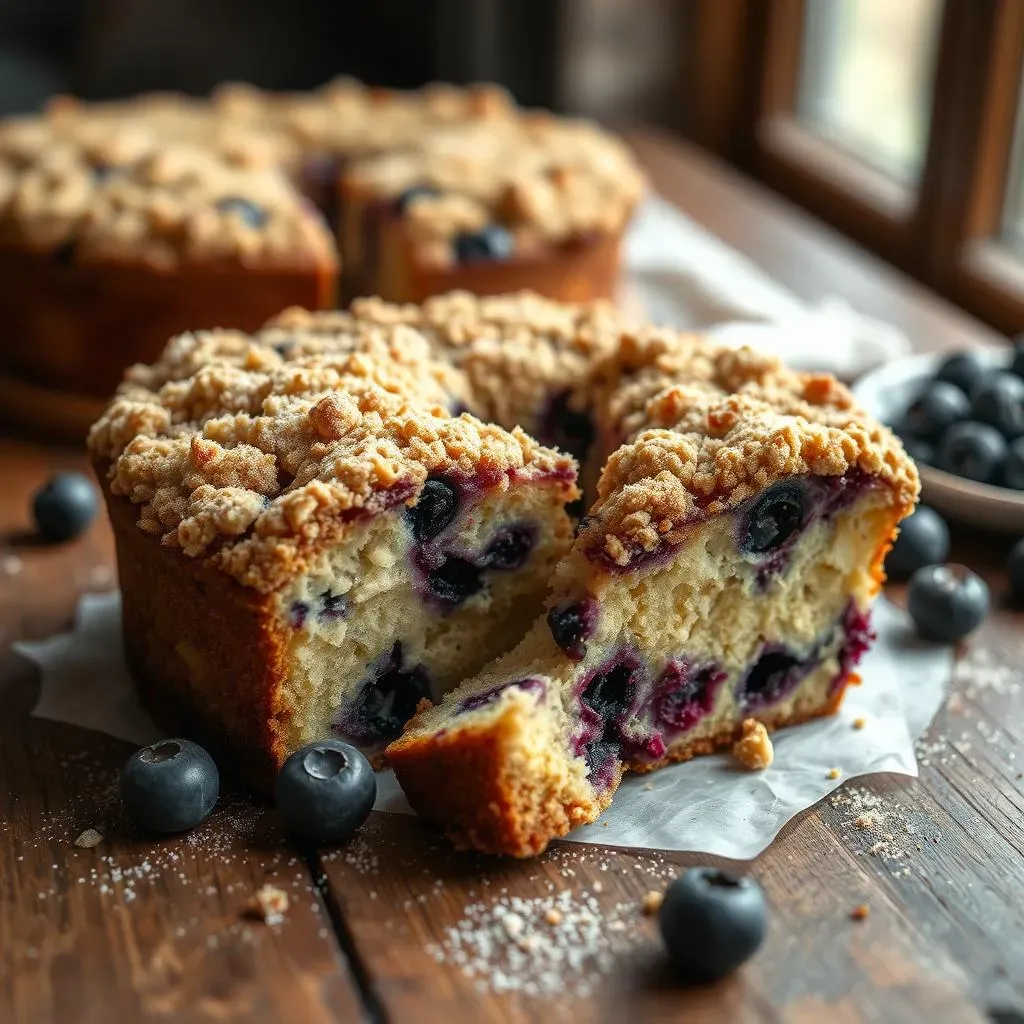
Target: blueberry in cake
x: 724, y: 572
x: 309, y: 542
x: 122, y: 224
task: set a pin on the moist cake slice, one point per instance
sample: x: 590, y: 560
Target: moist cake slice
x: 724, y: 572
x: 309, y: 543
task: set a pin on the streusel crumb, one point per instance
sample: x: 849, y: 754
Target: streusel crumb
x: 754, y: 748
x: 268, y: 904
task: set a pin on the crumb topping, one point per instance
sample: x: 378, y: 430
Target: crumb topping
x: 706, y: 427
x: 754, y: 749
x: 253, y: 451
x: 162, y: 178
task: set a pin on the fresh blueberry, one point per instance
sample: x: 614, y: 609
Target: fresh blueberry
x: 434, y: 510
x: 387, y: 701
x: 510, y: 548
x: 416, y: 192
x: 711, y: 922
x: 947, y: 602
x: 1013, y: 466
x: 64, y: 507
x: 1015, y: 568
x: 920, y: 450
x: 455, y: 581
x: 493, y: 242
x: 170, y: 786
x: 1017, y: 363
x: 571, y: 625
x: 923, y: 540
x: 964, y: 370
x: 325, y: 791
x: 249, y: 212
x: 972, y: 450
x: 774, y: 517
x: 998, y: 399
x: 939, y: 406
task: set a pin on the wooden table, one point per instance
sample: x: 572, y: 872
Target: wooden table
x: 155, y: 930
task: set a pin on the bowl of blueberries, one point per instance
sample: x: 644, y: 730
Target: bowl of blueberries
x: 961, y: 419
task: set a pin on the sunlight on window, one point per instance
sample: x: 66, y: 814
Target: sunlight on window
x: 865, y: 78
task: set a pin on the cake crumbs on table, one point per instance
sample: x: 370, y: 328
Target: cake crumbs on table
x: 652, y: 902
x: 754, y: 749
x: 860, y: 722
x: 834, y: 773
x: 11, y: 565
x: 89, y: 838
x: 860, y: 912
x: 268, y: 904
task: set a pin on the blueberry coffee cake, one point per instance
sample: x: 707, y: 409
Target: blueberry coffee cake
x: 722, y: 574
x: 312, y: 537
x: 124, y: 223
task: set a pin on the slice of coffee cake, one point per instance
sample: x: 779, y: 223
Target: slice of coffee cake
x: 724, y: 572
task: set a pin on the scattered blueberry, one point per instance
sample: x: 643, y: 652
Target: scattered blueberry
x: 170, y: 786
x: 964, y: 370
x: 571, y: 625
x: 387, y: 701
x: 510, y: 548
x: 775, y: 516
x: 920, y: 450
x: 325, y: 791
x: 249, y: 212
x: 493, y: 242
x: 939, y: 406
x: 416, y: 192
x: 1015, y: 568
x: 711, y: 922
x: 455, y: 581
x: 1013, y: 466
x: 434, y: 510
x: 923, y: 540
x: 998, y: 399
x: 946, y: 602
x: 64, y: 507
x: 972, y: 450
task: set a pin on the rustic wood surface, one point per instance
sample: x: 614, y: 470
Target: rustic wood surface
x: 136, y: 929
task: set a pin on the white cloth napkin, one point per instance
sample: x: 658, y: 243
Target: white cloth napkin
x: 682, y: 276
x: 708, y: 805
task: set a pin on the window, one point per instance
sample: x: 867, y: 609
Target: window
x: 865, y: 78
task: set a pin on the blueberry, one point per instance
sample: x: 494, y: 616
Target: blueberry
x: 493, y: 242
x: 939, y: 406
x: 998, y: 399
x: 479, y: 700
x: 685, y: 694
x: 455, y: 581
x: 923, y: 540
x: 610, y: 693
x: 249, y: 212
x: 416, y: 192
x: 972, y: 450
x: 946, y: 602
x: 711, y: 922
x: 571, y: 625
x: 1013, y: 466
x: 332, y: 607
x: 325, y: 791
x: 510, y: 548
x: 435, y: 508
x: 773, y: 518
x: 170, y: 786
x: 64, y: 507
x: 387, y: 701
x: 1017, y: 363
x: 1015, y: 568
x: 774, y: 675
x: 920, y: 450
x: 964, y: 370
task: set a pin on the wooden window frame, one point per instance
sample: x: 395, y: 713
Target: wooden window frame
x: 741, y: 92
